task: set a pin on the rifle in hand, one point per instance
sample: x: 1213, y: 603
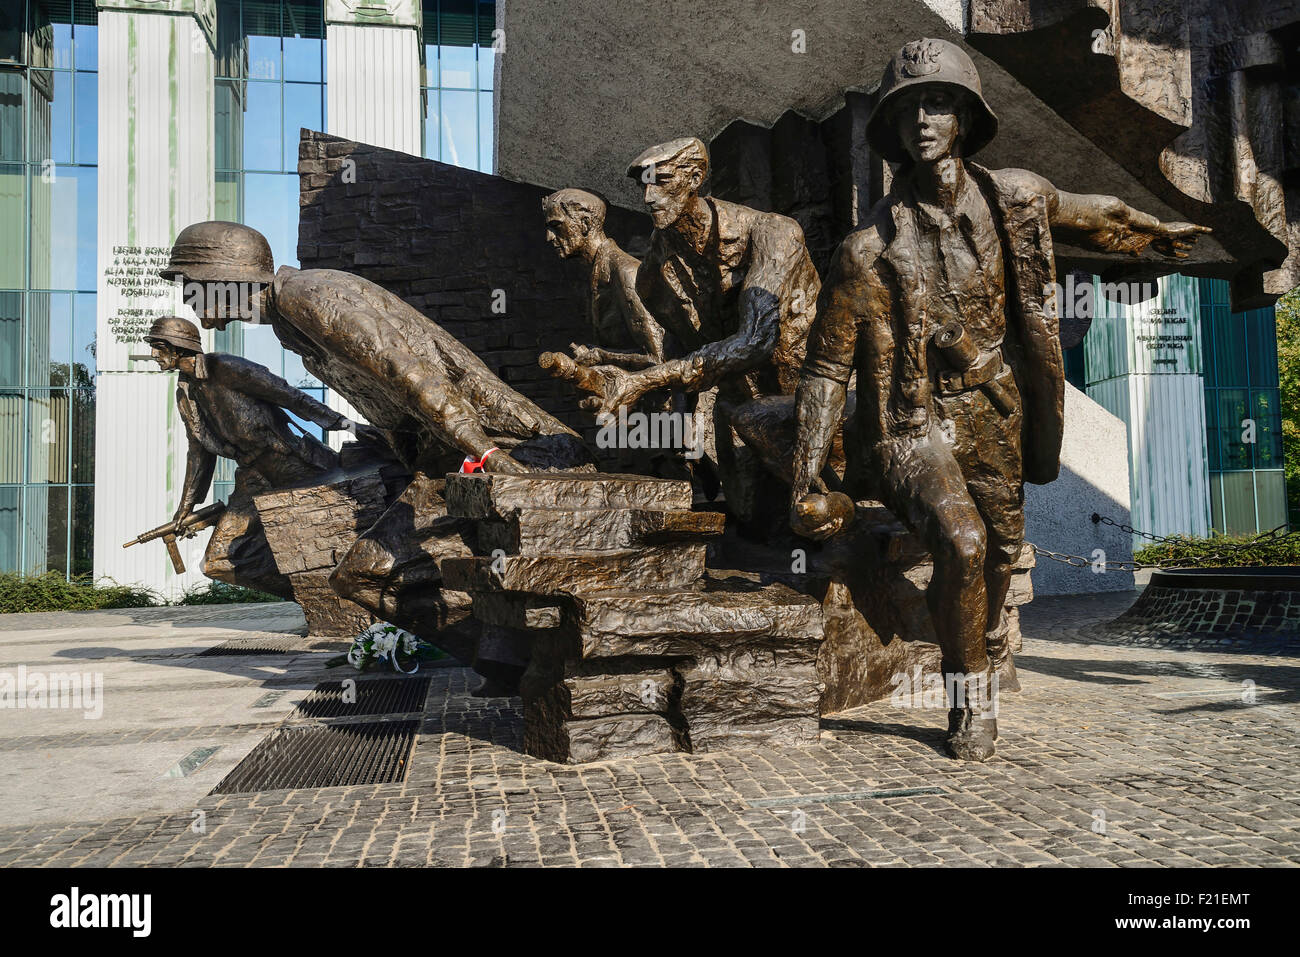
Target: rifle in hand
x: 205, y: 517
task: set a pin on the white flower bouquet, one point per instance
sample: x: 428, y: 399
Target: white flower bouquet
x: 385, y: 642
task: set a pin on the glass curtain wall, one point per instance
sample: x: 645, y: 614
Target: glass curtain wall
x: 1243, y: 416
x: 270, y: 81
x: 48, y: 210
x: 457, y: 92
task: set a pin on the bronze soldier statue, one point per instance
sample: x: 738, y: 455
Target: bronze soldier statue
x: 235, y: 408
x: 575, y: 227
x: 435, y: 402
x: 736, y: 291
x: 938, y: 302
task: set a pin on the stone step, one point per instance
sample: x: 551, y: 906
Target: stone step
x: 709, y: 734
x: 541, y: 530
x: 615, y: 624
x: 671, y: 568
x: 580, y: 740
x: 489, y: 495
x: 516, y: 610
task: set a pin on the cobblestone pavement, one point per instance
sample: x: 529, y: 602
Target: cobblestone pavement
x: 1112, y: 755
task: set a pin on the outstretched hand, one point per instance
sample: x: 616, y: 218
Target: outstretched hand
x: 621, y: 389
x: 501, y: 463
x: 1175, y: 239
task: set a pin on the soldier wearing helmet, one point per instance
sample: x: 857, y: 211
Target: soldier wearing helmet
x: 938, y: 303
x: 431, y: 403
x: 235, y: 408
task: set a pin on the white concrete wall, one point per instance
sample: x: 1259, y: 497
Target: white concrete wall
x: 155, y: 177
x: 1094, y: 478
x: 373, y: 84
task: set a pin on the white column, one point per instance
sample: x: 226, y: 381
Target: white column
x: 373, y: 73
x: 1145, y: 366
x: 155, y: 178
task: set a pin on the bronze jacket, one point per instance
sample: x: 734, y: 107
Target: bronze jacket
x: 743, y: 307
x: 400, y: 369
x: 867, y: 271
x: 234, y: 407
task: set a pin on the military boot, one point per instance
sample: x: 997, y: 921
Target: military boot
x: 972, y: 725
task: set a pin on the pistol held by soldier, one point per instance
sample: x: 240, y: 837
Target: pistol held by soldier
x: 937, y: 302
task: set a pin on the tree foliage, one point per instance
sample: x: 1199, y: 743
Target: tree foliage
x: 1288, y: 373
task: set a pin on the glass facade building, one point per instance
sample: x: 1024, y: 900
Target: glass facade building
x: 1243, y: 415
x: 270, y: 79
x: 48, y: 197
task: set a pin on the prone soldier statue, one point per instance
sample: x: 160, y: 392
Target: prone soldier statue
x: 939, y: 303
x: 233, y: 407
x: 431, y: 401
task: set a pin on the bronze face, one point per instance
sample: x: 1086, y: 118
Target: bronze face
x: 670, y: 191
x: 165, y: 354
x: 564, y: 233
x: 929, y: 121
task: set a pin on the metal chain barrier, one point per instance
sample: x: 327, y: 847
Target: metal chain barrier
x: 1279, y: 534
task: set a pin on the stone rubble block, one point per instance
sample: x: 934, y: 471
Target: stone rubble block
x: 658, y: 567
x: 637, y: 692
x: 680, y: 624
x: 578, y: 741
x: 308, y: 529
x: 517, y: 610
x: 489, y: 495
x: 632, y: 644
x: 540, y: 530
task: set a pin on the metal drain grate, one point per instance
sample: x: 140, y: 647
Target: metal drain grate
x: 321, y: 757
x: 268, y: 646
x: 376, y: 696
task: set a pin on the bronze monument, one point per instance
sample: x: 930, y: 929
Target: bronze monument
x: 432, y: 405
x: 937, y: 303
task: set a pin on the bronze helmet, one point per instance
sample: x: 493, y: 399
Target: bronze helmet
x: 216, y: 251
x: 921, y: 63
x: 176, y: 331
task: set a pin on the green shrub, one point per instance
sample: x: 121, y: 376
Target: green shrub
x: 220, y: 593
x: 53, y: 592
x: 1230, y: 550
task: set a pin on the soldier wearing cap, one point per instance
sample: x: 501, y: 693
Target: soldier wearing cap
x: 235, y: 408
x: 938, y: 302
x: 575, y: 228
x: 736, y: 290
x: 433, y: 402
